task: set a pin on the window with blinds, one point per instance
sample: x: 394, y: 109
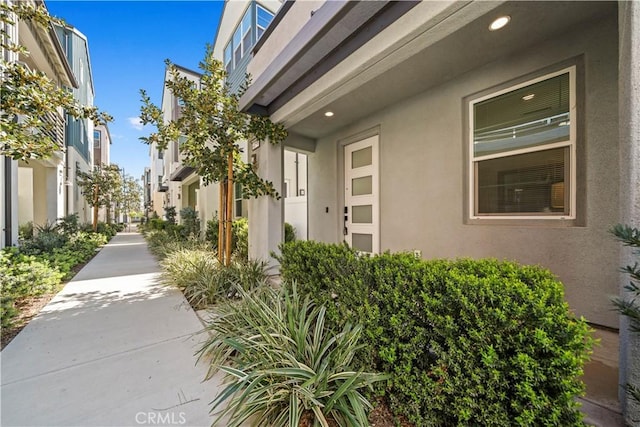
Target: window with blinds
x: 522, y: 149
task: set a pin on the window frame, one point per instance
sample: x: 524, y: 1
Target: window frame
x: 258, y: 26
x: 237, y: 198
x: 570, y: 144
x: 250, y: 13
x: 98, y: 133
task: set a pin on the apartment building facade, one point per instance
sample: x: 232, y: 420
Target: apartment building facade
x: 78, y: 132
x: 430, y: 128
x: 33, y: 190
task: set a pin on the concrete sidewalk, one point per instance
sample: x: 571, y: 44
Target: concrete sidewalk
x: 113, y: 348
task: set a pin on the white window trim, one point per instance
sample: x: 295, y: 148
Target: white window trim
x: 258, y: 26
x: 571, y: 143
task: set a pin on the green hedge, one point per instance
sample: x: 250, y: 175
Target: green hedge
x: 468, y: 342
x: 40, y: 265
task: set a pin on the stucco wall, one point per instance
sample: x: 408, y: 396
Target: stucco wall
x: 422, y: 167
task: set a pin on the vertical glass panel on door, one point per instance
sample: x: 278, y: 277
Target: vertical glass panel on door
x: 362, y: 214
x: 361, y: 158
x: 361, y: 186
x: 362, y: 242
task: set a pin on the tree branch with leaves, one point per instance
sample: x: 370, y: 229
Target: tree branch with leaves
x: 211, y: 127
x: 27, y: 96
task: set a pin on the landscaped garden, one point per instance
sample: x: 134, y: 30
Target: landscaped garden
x: 440, y: 342
x: 48, y: 256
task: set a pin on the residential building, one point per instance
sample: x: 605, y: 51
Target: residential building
x: 429, y: 129
x: 78, y: 132
x: 33, y: 190
x: 241, y: 26
x: 157, y: 185
x: 182, y: 182
x: 146, y: 193
x: 101, y: 145
x: 101, y: 156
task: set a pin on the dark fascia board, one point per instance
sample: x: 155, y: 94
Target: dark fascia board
x: 58, y: 47
x: 334, y: 32
x: 299, y: 45
x: 188, y: 70
x: 273, y: 24
x: 182, y: 173
x: 63, y: 57
x: 365, y: 32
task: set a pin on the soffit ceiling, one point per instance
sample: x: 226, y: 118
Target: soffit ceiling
x: 469, y: 48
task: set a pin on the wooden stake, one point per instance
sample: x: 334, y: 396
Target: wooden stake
x: 229, y: 208
x: 221, y: 218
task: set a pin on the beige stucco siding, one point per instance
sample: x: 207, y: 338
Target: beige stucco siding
x: 423, y: 169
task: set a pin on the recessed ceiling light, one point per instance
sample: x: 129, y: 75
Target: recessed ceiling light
x: 328, y: 113
x: 529, y: 97
x: 499, y: 23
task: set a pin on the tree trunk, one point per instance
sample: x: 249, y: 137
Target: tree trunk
x: 95, y: 209
x: 221, y: 218
x: 229, y: 208
x: 109, y: 213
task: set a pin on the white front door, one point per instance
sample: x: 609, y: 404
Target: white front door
x: 361, y: 210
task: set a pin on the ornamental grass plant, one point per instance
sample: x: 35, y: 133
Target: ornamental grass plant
x: 203, y: 280
x: 283, y: 366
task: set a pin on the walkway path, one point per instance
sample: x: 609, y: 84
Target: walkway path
x: 113, y: 348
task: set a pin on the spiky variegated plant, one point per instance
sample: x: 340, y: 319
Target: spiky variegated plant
x: 282, y: 366
x: 630, y: 307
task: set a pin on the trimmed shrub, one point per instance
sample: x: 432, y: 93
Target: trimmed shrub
x: 239, y: 236
x: 190, y: 222
x: 289, y: 233
x: 468, y: 342
x: 334, y: 276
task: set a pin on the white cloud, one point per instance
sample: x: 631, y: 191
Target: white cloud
x: 135, y: 123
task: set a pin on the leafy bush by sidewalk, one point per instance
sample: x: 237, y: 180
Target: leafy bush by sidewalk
x: 283, y: 366
x: 40, y: 264
x: 466, y: 342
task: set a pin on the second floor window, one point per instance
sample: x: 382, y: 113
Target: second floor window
x: 252, y: 26
x: 97, y: 136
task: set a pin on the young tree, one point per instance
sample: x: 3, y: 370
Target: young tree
x: 131, y: 196
x: 212, y: 126
x: 100, y: 186
x: 27, y: 96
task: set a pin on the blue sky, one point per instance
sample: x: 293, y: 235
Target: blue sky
x: 128, y: 43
